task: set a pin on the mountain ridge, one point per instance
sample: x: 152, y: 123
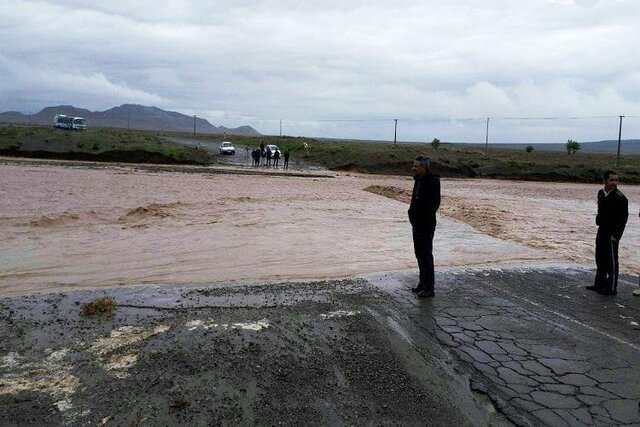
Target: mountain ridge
x: 128, y: 116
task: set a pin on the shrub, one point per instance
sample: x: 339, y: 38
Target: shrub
x: 102, y: 305
x: 528, y: 148
x: 11, y: 132
x: 435, y: 143
x: 572, y: 146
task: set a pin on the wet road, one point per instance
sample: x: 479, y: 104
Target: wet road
x: 545, y: 350
x: 522, y: 345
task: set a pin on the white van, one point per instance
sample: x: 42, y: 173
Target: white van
x: 79, y: 123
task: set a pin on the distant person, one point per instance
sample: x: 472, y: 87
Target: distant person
x: 268, y: 157
x: 613, y: 211
x: 425, y: 201
x: 255, y: 154
x: 286, y: 159
x: 276, y: 158
x: 263, y: 154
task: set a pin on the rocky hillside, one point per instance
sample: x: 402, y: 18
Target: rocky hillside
x: 127, y: 116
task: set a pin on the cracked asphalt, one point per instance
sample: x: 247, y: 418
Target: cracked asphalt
x: 521, y: 346
x: 546, y: 350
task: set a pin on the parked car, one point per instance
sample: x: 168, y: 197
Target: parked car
x: 273, y: 149
x: 227, y: 147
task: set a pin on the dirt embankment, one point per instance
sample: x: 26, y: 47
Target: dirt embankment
x: 512, y: 172
x: 128, y: 156
x: 485, y: 219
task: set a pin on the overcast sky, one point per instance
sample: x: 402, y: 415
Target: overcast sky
x: 337, y: 68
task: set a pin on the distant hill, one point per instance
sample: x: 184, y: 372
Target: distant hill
x: 127, y: 115
x: 627, y: 146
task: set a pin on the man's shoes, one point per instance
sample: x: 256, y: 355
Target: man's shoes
x: 416, y: 289
x: 603, y: 291
x: 425, y: 294
x: 593, y: 288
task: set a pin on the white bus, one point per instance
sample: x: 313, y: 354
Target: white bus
x: 66, y: 122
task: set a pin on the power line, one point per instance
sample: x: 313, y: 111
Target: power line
x: 437, y: 119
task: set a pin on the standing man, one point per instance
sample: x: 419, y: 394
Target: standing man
x: 425, y: 201
x: 613, y: 211
x: 286, y: 159
x: 262, y: 152
x: 269, y: 154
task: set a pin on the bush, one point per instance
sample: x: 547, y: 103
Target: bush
x: 572, y: 146
x: 103, y: 305
x: 11, y: 132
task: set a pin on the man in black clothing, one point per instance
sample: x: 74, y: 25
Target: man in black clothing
x: 276, y: 158
x: 425, y: 201
x: 286, y: 159
x: 613, y: 211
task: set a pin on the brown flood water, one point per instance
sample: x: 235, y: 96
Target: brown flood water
x: 64, y: 227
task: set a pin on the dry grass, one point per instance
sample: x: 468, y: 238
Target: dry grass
x: 102, y: 305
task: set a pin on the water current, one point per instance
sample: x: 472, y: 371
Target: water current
x: 67, y: 227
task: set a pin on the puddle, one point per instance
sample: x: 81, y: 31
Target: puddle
x: 212, y: 324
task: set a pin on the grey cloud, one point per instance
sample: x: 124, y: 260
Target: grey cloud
x: 254, y: 62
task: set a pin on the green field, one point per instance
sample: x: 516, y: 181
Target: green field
x: 449, y: 160
x: 114, y: 145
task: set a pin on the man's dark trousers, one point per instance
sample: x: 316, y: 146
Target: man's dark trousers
x: 606, y: 262
x: 423, y: 246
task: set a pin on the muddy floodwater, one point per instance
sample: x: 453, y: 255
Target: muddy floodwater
x: 82, y: 227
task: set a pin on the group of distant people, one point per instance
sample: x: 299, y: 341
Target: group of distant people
x: 613, y: 212
x: 270, y: 158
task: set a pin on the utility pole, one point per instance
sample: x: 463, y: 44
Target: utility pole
x: 486, y: 138
x: 619, y: 141
x: 194, y: 125
x: 395, y: 131
x: 128, y: 121
x: 281, y: 127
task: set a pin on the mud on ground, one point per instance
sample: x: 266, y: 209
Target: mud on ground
x: 290, y: 354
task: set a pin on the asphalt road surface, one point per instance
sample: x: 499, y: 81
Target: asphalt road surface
x: 494, y: 347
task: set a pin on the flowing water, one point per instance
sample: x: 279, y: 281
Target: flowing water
x: 67, y: 227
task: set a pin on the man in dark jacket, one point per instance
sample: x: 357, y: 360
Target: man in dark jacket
x: 425, y: 201
x: 613, y: 211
